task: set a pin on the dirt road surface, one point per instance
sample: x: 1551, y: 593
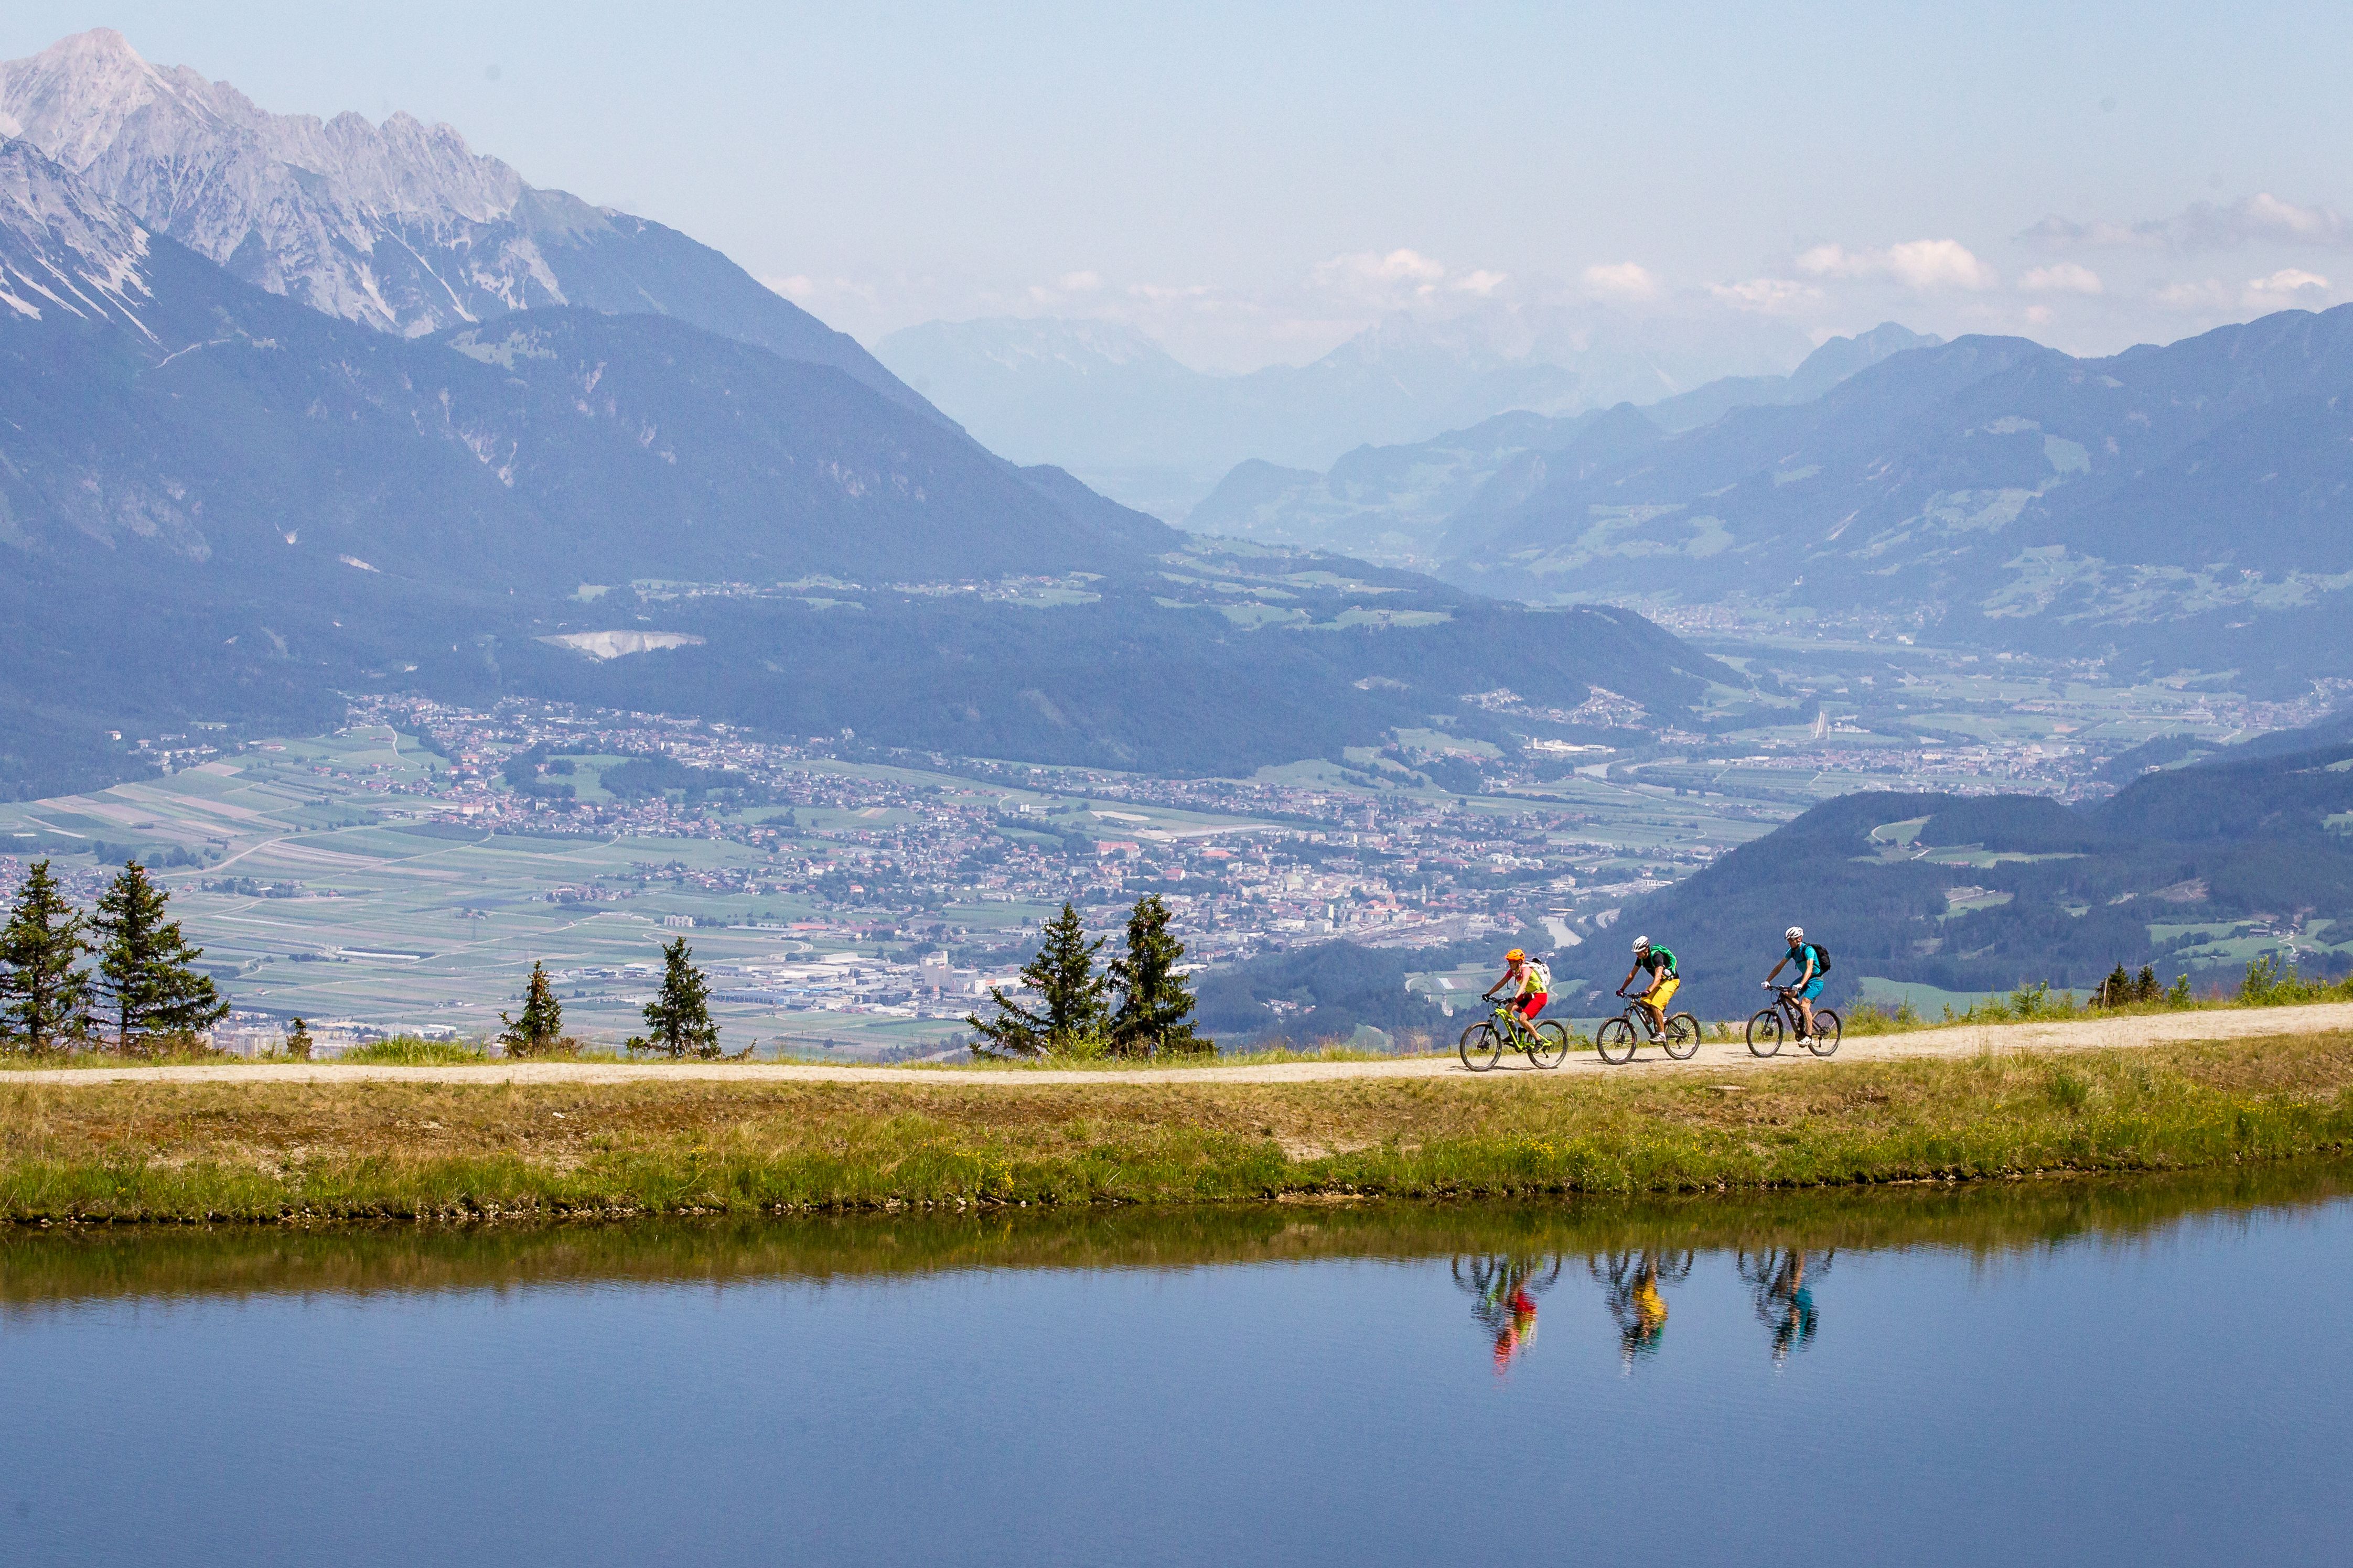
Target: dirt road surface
x: 1714, y: 1056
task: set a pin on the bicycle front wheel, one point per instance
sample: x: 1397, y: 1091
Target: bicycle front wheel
x: 1826, y: 1033
x: 1615, y: 1041
x: 1765, y: 1033
x: 1682, y: 1038
x: 1551, y: 1047
x: 1480, y: 1046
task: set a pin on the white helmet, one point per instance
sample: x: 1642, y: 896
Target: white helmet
x: 1794, y: 933
x: 1641, y: 944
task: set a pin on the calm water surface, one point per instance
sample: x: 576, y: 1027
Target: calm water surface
x: 2062, y: 1374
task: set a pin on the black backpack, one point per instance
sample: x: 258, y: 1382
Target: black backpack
x: 1822, y: 958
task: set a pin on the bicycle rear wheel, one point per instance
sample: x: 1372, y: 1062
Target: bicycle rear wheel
x: 1615, y: 1041
x: 1481, y: 1045
x: 1551, y: 1047
x: 1682, y: 1038
x: 1765, y: 1033
x: 1825, y: 1042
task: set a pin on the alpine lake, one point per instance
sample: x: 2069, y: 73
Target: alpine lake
x: 2153, y: 1371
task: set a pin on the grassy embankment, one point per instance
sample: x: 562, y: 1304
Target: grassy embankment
x: 271, y: 1150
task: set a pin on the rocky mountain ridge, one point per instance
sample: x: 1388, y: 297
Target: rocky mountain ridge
x: 399, y: 226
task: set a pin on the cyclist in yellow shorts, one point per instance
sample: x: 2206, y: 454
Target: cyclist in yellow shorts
x: 1664, y: 982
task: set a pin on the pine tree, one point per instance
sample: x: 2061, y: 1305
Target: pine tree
x: 1154, y: 1000
x: 1071, y: 993
x: 45, y: 996
x: 678, y: 1021
x: 146, y: 975
x: 541, y: 1024
x: 297, y: 1042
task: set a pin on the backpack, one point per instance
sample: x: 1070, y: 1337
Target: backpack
x: 1541, y: 976
x: 1822, y: 959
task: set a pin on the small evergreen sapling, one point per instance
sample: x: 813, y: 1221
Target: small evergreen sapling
x: 678, y: 1021
x: 44, y: 995
x: 541, y: 1024
x: 146, y: 975
x: 1070, y: 993
x: 297, y: 1042
x: 1154, y: 1000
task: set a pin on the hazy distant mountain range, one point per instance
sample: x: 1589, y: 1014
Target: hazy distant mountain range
x: 228, y: 503
x: 1396, y: 504
x: 1109, y: 404
x: 2185, y: 504
x: 398, y: 226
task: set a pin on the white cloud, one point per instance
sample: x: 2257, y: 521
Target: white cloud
x: 1628, y: 283
x: 1765, y: 296
x: 2062, y: 278
x: 1924, y: 265
x: 1078, y: 282
x: 2286, y: 288
x: 1362, y: 266
x: 1481, y: 282
x: 2205, y: 225
x: 797, y: 287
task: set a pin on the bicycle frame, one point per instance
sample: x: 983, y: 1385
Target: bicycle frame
x: 1521, y: 1033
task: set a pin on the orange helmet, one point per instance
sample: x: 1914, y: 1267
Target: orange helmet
x: 1516, y: 956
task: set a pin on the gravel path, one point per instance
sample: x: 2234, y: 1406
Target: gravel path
x: 2083, y: 1033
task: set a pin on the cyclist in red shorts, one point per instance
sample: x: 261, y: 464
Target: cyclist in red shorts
x: 1531, y: 983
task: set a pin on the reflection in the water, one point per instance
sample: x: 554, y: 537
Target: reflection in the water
x: 1630, y: 1283
x: 1783, y: 1299
x: 394, y: 1362
x: 1503, y: 1293
x: 1503, y: 1287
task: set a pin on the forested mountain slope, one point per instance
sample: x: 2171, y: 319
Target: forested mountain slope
x: 2193, y: 869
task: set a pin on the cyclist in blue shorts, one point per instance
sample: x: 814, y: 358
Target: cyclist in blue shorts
x: 1808, y: 983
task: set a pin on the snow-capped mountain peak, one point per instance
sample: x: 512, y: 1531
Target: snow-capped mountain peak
x: 397, y: 225
x: 380, y: 224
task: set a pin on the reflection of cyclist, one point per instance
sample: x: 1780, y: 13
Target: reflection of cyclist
x: 1634, y: 1298
x: 1784, y: 1302
x: 1519, y: 1331
x: 1532, y: 983
x: 1504, y: 1292
x: 1808, y: 982
x: 1661, y: 962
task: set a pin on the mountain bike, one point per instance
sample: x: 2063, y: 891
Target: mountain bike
x: 1765, y: 1030
x: 1545, y: 1044
x: 1618, y: 1037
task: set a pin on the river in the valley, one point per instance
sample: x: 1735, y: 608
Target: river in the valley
x: 2113, y: 1371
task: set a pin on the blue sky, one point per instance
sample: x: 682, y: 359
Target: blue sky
x: 1250, y: 183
